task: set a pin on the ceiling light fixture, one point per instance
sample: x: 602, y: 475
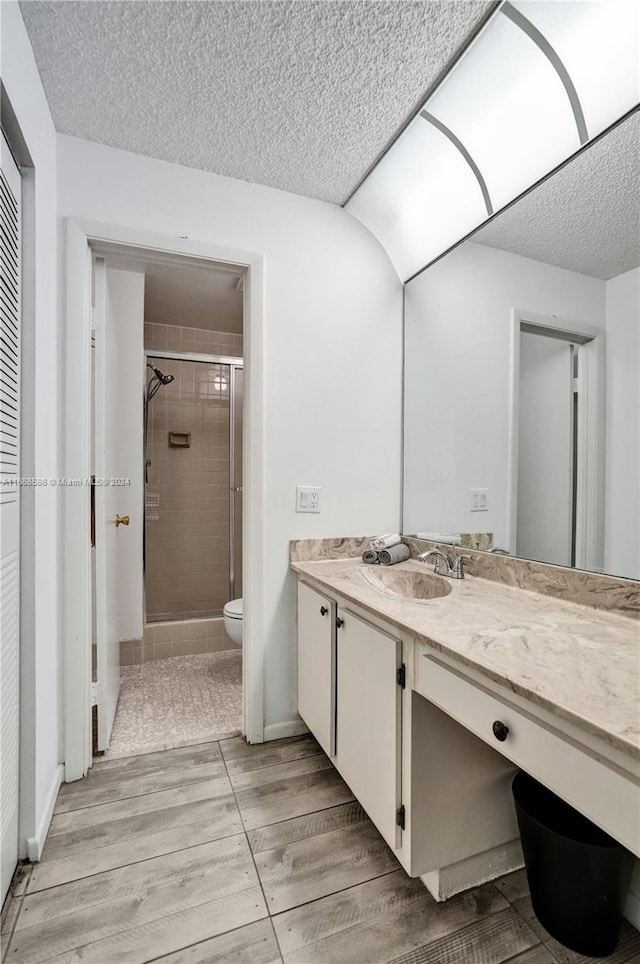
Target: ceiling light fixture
x: 542, y: 79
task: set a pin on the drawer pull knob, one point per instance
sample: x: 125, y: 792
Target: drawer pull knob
x: 323, y: 610
x: 339, y: 622
x: 500, y: 731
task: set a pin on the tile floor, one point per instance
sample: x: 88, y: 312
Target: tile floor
x: 225, y: 853
x: 173, y: 702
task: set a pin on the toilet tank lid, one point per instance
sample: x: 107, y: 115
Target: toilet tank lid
x: 233, y: 608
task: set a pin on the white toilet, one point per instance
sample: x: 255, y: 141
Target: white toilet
x: 232, y: 613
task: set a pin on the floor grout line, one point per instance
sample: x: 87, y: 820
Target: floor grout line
x: 308, y: 814
x: 131, y: 863
x: 246, y: 836
x: 340, y: 890
x: 276, y: 823
x: 136, y: 796
x: 99, y: 759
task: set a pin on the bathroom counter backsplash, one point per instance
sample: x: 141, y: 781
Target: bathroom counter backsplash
x: 580, y: 662
x: 593, y: 589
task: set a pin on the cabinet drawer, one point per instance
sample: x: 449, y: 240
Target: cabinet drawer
x: 605, y: 795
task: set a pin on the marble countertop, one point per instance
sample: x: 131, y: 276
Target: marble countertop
x: 580, y: 663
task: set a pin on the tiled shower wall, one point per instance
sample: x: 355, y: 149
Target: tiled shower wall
x: 187, y: 493
x: 176, y: 338
x: 184, y: 637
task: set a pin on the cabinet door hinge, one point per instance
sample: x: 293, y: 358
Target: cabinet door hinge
x: 400, y: 817
x: 401, y: 676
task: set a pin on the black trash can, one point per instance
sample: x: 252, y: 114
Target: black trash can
x: 578, y: 875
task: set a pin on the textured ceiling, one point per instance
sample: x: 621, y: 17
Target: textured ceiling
x: 585, y: 218
x: 301, y: 95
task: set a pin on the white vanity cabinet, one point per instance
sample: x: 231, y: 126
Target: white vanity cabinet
x: 349, y: 695
x: 316, y: 665
x: 429, y: 740
x: 413, y: 769
x: 368, y: 719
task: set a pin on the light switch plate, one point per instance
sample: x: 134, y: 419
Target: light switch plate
x: 308, y: 498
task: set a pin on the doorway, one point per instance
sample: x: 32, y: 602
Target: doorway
x: 168, y: 503
x: 83, y: 239
x: 547, y: 448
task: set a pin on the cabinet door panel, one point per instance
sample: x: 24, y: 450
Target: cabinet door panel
x: 316, y: 665
x: 368, y: 720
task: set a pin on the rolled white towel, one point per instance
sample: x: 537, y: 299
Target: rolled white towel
x: 386, y: 541
x: 370, y: 556
x: 445, y: 538
x: 389, y: 557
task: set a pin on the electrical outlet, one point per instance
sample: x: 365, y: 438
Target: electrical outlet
x: 478, y: 500
x: 308, y: 498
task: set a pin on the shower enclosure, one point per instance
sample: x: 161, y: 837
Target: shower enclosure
x: 193, y: 487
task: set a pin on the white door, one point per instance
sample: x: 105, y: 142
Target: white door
x: 10, y: 267
x: 316, y: 665
x: 118, y: 313
x: 368, y: 719
x: 545, y: 450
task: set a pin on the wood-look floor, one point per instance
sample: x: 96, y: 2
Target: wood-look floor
x: 231, y: 854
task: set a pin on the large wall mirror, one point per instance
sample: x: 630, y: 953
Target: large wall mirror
x: 522, y: 373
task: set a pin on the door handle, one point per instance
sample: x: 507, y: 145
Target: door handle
x: 121, y: 520
x: 236, y: 488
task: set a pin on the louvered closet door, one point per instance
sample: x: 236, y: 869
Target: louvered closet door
x: 9, y: 510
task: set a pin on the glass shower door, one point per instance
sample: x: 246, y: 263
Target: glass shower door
x: 187, y: 492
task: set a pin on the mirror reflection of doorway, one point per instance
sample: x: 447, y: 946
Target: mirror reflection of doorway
x: 557, y: 402
x: 547, y: 449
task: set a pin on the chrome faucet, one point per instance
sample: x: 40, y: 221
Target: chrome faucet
x: 440, y: 559
x: 453, y: 568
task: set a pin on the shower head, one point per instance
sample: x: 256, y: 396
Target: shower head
x: 165, y: 379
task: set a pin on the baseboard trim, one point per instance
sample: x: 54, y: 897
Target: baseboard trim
x: 35, y: 844
x: 278, y: 731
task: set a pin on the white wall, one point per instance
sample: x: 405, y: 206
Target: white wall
x: 457, y: 358
x: 622, y: 468
x: 332, y: 341
x: 40, y: 659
